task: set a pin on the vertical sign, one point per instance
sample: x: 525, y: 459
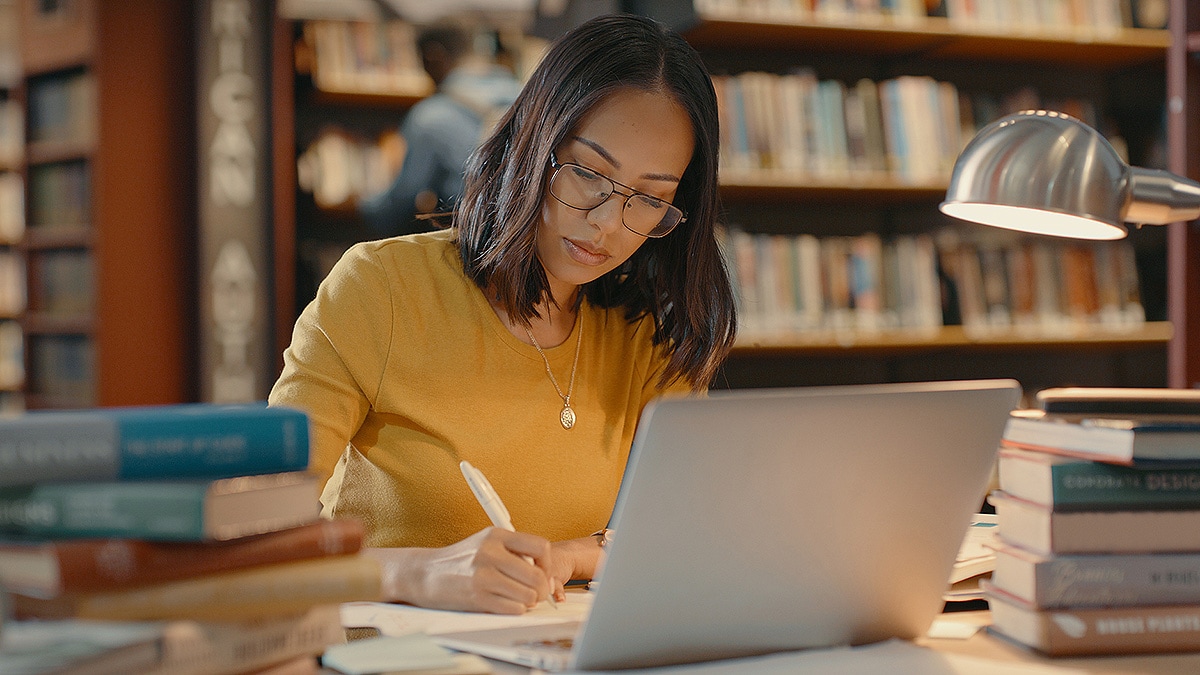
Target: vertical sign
x: 234, y: 189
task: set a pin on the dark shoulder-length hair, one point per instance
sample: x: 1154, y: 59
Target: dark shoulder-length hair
x: 680, y: 280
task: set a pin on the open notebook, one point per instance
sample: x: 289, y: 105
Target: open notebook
x: 759, y: 521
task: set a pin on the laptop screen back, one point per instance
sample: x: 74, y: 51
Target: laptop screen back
x: 757, y: 521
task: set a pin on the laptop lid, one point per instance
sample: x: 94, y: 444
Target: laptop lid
x: 756, y: 521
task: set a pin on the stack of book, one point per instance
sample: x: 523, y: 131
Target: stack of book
x: 173, y: 539
x: 1099, y: 515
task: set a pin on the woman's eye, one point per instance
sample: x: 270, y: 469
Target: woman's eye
x: 584, y: 174
x: 652, y: 202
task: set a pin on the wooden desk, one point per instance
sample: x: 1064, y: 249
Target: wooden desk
x: 986, y: 646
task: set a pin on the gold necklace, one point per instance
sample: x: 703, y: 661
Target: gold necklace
x: 567, y: 415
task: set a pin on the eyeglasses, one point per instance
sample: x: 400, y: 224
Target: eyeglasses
x: 581, y: 188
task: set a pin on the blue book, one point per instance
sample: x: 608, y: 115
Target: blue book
x: 161, y: 510
x: 190, y: 440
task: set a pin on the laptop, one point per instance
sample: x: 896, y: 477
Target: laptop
x: 769, y: 520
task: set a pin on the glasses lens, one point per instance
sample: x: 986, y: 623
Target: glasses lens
x: 580, y: 188
x: 651, y: 217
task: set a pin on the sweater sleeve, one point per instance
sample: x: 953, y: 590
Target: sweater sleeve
x: 333, y: 367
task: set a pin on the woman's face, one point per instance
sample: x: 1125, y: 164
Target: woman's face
x: 640, y: 139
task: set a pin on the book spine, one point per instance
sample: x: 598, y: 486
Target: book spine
x: 196, y: 648
x: 1064, y: 438
x: 97, y: 564
x: 1123, y: 630
x: 1088, y: 484
x: 1117, y: 580
x: 1097, y: 485
x: 213, y: 442
x: 1111, y: 580
x: 1037, y: 528
x: 163, y: 511
x: 184, y: 441
x: 273, y: 590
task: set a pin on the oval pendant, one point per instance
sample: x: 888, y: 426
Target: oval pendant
x: 567, y: 417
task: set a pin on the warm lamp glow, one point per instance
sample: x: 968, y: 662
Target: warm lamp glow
x: 1034, y: 221
x: 1048, y: 173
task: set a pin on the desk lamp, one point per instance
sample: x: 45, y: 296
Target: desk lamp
x: 1048, y: 173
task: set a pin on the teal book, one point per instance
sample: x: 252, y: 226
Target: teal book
x: 1066, y: 483
x: 167, y: 510
x: 190, y: 440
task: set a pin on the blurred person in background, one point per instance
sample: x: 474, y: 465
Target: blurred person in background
x: 441, y: 131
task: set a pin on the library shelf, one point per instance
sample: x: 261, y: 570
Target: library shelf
x: 109, y: 180
x: 876, y: 48
x: 58, y: 236
x: 779, y: 185
x: 1100, y: 63
x: 54, y: 152
x: 374, y: 99
x: 936, y: 37
x: 1154, y: 333
x: 42, y: 323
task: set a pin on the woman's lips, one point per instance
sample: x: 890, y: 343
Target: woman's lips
x: 584, y: 254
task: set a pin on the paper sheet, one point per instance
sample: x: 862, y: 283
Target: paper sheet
x: 392, y: 619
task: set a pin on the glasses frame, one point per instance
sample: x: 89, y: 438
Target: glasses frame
x: 559, y: 166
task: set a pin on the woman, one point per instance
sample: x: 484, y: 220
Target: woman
x: 580, y: 279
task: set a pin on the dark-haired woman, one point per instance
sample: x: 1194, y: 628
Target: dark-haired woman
x: 580, y: 278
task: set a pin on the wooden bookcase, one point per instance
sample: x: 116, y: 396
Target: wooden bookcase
x: 1121, y: 70
x: 1183, y: 134
x: 107, y: 90
x: 1115, y: 68
x: 12, y: 211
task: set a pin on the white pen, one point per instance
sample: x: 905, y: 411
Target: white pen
x: 486, y: 495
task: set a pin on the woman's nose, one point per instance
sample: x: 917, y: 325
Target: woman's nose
x: 607, y: 216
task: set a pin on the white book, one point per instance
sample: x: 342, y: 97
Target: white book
x: 808, y: 264
x: 793, y: 146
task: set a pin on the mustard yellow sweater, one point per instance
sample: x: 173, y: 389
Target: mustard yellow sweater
x: 405, y: 370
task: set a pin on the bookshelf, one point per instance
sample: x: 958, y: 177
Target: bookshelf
x: 1117, y: 71
x: 12, y: 212
x: 105, y: 93
x: 1183, y: 133
x: 335, y: 93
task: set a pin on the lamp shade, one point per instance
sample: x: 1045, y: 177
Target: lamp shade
x: 1048, y: 173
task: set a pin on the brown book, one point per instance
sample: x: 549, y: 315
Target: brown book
x: 51, y: 568
x: 256, y: 592
x: 183, y: 647
x: 1079, y: 277
x: 1106, y: 630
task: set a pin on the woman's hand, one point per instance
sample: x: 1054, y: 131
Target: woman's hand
x: 490, y: 571
x: 574, y: 559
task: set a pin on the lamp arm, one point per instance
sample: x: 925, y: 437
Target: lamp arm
x: 1159, y: 197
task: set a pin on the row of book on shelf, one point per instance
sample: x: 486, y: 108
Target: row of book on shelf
x: 340, y: 167
x: 60, y: 194
x: 381, y: 57
x: 12, y: 133
x: 1098, y: 512
x: 909, y: 128
x: 801, y: 283
x: 62, y: 108
x: 367, y: 57
x: 12, y: 207
x: 63, y: 366
x: 1101, y: 16
x: 10, y: 45
x: 169, y: 539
